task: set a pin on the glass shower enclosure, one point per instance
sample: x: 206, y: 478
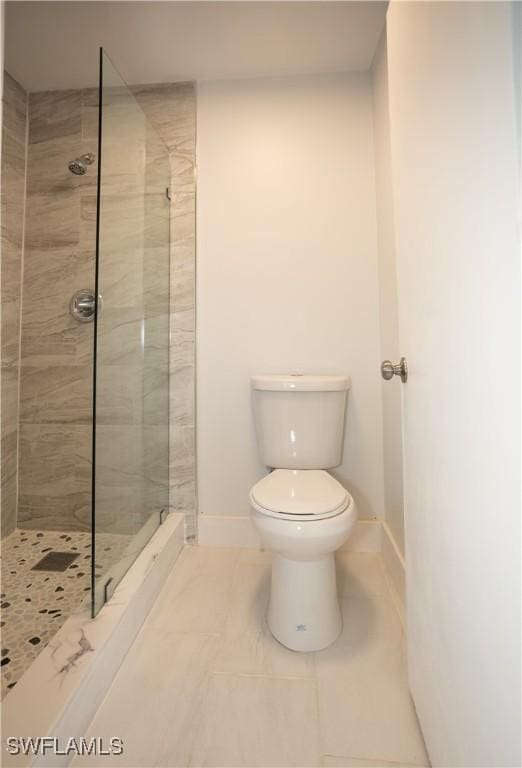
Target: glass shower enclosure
x: 130, y: 453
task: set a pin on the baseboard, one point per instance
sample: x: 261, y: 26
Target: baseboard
x: 239, y: 531
x: 395, y: 569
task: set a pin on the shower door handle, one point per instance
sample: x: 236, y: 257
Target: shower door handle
x: 83, y: 305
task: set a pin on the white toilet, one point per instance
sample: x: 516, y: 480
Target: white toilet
x: 301, y: 512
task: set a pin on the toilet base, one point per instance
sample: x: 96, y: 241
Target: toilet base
x: 303, y: 612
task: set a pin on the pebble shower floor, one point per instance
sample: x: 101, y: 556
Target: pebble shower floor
x: 35, y: 604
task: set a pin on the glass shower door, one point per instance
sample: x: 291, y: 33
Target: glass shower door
x: 130, y: 428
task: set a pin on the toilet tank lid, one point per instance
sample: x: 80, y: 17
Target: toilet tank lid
x: 297, y: 382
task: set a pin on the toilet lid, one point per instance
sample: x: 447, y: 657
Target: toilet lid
x: 300, y: 492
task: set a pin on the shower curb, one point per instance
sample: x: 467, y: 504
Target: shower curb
x: 61, y: 691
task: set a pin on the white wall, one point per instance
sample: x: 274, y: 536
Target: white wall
x: 389, y: 325
x: 286, y: 269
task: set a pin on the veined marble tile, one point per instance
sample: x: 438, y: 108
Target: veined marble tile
x: 52, y: 219
x: 10, y: 315
x: 14, y: 114
x: 196, y: 595
x: 136, y: 277
x: 14, y: 111
x: 48, y: 165
x: 60, y: 248
x: 183, y: 499
x: 183, y: 338
x: 9, y: 398
x: 125, y: 508
x: 182, y: 219
x: 55, y: 275
x: 157, y: 209
x: 11, y: 269
x: 258, y: 721
x: 183, y: 286
x: 55, y: 476
x: 248, y: 646
x: 119, y: 395
x: 128, y: 395
x: 126, y: 334
x: 182, y: 469
x: 184, y: 253
x: 54, y: 115
x: 158, y: 727
x: 365, y: 707
x: 8, y: 480
x: 182, y: 385
x: 51, y: 514
x: 11, y: 230
x: 13, y: 159
x: 156, y: 399
x: 171, y: 109
x: 56, y: 393
x: 12, y: 224
x: 51, y: 336
x: 122, y: 221
x: 89, y: 115
x: 133, y: 456
x: 156, y: 269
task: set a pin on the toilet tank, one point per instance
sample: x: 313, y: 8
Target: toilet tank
x: 300, y: 420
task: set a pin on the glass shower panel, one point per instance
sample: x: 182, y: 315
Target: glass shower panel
x: 130, y: 442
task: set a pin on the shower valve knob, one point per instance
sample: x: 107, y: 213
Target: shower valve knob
x: 83, y: 305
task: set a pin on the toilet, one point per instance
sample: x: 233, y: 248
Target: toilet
x: 302, y: 513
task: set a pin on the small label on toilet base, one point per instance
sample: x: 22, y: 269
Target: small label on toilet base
x: 300, y: 627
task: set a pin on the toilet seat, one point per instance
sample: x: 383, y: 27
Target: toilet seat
x: 299, y: 495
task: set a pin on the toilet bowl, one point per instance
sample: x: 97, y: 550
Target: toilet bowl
x: 303, y: 517
x: 301, y: 512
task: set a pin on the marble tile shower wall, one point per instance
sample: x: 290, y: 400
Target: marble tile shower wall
x: 56, y: 351
x: 12, y: 227
x: 171, y: 108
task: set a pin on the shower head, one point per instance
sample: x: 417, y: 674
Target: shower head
x: 78, y: 166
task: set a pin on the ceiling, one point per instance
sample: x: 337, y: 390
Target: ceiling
x: 54, y: 45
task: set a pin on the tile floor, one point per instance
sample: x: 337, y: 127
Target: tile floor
x: 205, y: 684
x: 35, y: 604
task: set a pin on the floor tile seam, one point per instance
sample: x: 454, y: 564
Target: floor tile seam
x: 365, y: 595
x: 174, y: 632
x: 376, y: 760
x: 263, y: 675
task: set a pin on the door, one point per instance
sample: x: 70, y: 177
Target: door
x: 454, y: 106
